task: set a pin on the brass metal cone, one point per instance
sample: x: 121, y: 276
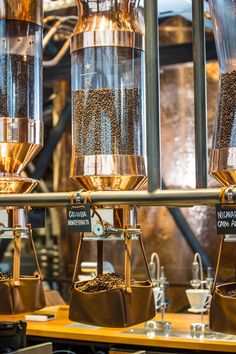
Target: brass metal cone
x: 20, y: 140
x: 223, y: 165
x: 16, y: 184
x: 108, y: 172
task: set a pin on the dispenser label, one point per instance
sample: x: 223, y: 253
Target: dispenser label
x: 87, y: 75
x: 78, y: 218
x: 36, y: 218
x: 225, y: 219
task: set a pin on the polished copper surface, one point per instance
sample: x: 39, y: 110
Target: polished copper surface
x: 105, y: 38
x: 16, y: 184
x: 225, y: 177
x: 223, y: 165
x: 22, y: 10
x: 101, y: 183
x: 20, y: 141
x: 108, y: 172
x: 116, y: 26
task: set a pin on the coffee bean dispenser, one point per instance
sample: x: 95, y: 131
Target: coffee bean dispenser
x: 223, y: 157
x: 21, y: 124
x: 108, y: 151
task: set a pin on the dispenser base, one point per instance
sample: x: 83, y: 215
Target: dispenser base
x: 199, y: 327
x: 158, y: 325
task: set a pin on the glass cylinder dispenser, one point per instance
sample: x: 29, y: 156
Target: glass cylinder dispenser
x: 108, y: 151
x: 20, y: 84
x: 223, y: 157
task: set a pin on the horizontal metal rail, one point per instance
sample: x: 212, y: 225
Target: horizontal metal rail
x: 169, y: 198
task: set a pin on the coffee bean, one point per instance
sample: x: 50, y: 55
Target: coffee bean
x: 105, y: 282
x: 108, y: 121
x: 5, y: 276
x: 17, y: 80
x: 225, y: 135
x: 231, y: 293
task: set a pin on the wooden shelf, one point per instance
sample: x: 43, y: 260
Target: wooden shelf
x: 61, y: 328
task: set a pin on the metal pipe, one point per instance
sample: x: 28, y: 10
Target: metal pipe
x: 198, y: 259
x: 152, y: 69
x: 58, y: 57
x: 200, y: 106
x: 169, y: 198
x: 55, y: 27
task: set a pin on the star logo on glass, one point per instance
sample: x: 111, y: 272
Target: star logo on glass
x: 88, y: 66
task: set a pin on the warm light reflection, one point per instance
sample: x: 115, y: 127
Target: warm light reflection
x: 3, y: 150
x: 50, y: 5
x: 151, y: 334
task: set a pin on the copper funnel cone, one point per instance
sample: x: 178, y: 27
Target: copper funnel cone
x: 16, y: 184
x: 20, y: 141
x: 117, y: 173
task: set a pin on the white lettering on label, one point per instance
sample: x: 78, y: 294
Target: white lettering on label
x: 77, y: 214
x: 78, y: 222
x: 226, y: 214
x: 222, y: 223
x: 233, y: 223
x: 88, y: 81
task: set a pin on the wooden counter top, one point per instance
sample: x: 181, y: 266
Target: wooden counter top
x: 61, y: 328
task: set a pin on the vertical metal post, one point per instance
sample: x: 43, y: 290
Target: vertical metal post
x: 99, y: 257
x: 200, y: 106
x: 152, y: 69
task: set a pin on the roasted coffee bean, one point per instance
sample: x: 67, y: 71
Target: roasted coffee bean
x: 231, y: 293
x: 105, y: 282
x: 17, y: 82
x: 108, y: 121
x: 226, y: 116
x: 5, y: 276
